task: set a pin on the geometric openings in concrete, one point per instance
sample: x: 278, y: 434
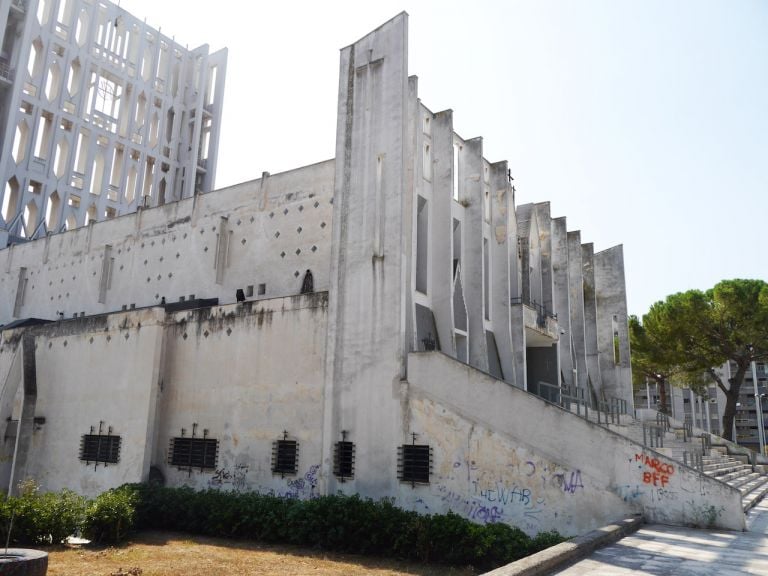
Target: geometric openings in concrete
x: 616, y: 344
x: 193, y: 452
x: 130, y: 185
x: 414, y: 463
x: 44, y: 136
x: 81, y: 27
x: 100, y: 447
x: 44, y: 11
x: 10, y: 199
x: 344, y: 459
x: 60, y: 158
x: 73, y: 82
x: 35, y: 63
x: 30, y: 218
x: 285, y: 456
x: 53, y: 212
x: 20, y: 142
x: 422, y: 229
x: 53, y: 82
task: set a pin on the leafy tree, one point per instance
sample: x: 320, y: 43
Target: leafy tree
x: 650, y: 360
x: 696, y: 332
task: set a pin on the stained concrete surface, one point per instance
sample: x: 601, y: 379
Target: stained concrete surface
x: 660, y: 550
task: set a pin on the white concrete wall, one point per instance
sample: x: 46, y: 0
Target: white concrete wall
x: 171, y: 251
x: 100, y: 369
x: 455, y: 408
x: 246, y: 373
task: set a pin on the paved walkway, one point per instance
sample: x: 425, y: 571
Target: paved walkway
x: 669, y: 550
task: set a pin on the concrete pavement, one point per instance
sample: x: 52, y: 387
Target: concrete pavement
x: 670, y: 550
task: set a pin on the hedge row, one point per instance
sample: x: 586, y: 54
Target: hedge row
x: 337, y: 523
x: 49, y: 518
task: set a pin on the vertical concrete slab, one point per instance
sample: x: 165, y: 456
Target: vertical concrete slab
x: 441, y: 281
x: 590, y: 320
x: 471, y: 194
x: 369, y: 308
x: 503, y: 241
x: 561, y: 293
x: 545, y: 245
x: 611, y: 301
x: 26, y: 423
x: 575, y: 285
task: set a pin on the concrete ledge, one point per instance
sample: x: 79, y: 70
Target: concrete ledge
x: 546, y: 561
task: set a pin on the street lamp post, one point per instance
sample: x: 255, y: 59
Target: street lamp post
x: 759, y: 410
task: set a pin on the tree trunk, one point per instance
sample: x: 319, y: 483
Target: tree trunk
x: 731, y: 399
x: 663, y: 406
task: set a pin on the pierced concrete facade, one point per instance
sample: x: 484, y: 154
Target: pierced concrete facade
x: 439, y: 315
x: 99, y: 114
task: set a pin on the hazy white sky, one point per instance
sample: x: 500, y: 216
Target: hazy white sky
x: 644, y: 122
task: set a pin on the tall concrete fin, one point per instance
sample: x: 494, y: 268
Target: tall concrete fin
x: 575, y: 285
x: 561, y: 300
x: 590, y: 321
x: 10, y: 379
x: 371, y: 254
x: 26, y: 423
x: 612, y: 324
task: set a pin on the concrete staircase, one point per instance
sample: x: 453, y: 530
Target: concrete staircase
x: 751, y: 482
x: 688, y: 448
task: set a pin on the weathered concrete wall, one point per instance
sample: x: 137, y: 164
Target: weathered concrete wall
x: 575, y: 286
x: 267, y: 231
x: 612, y: 321
x: 590, y: 320
x: 369, y: 316
x: 561, y: 291
x: 247, y: 373
x: 571, y: 486
x: 103, y: 369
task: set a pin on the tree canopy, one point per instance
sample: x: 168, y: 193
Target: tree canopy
x: 693, y: 333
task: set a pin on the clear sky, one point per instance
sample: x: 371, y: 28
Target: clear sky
x: 644, y: 122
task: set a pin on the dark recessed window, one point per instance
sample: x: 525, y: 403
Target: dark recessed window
x: 100, y: 448
x: 285, y: 456
x: 192, y: 453
x: 344, y: 460
x: 414, y: 463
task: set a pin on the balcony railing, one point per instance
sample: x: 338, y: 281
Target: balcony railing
x: 6, y: 72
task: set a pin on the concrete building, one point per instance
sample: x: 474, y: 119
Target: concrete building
x: 99, y: 114
x: 385, y: 323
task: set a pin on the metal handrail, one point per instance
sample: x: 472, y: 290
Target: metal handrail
x: 540, y: 308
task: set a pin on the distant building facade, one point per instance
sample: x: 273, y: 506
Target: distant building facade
x: 99, y: 114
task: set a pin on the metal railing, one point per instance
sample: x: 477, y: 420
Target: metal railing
x: 542, y: 312
x: 694, y: 459
x: 607, y: 411
x: 653, y: 435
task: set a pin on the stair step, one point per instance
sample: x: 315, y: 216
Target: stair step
x: 743, y: 480
x: 757, y: 494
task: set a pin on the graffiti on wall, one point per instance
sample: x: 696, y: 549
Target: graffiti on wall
x: 655, y: 472
x: 236, y: 478
x: 517, y: 495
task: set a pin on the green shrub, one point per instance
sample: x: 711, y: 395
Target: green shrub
x: 110, y: 516
x: 40, y: 518
x: 339, y: 523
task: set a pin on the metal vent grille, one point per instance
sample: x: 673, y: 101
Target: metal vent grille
x: 414, y: 463
x: 100, y: 448
x: 285, y: 456
x: 344, y: 460
x: 189, y: 453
